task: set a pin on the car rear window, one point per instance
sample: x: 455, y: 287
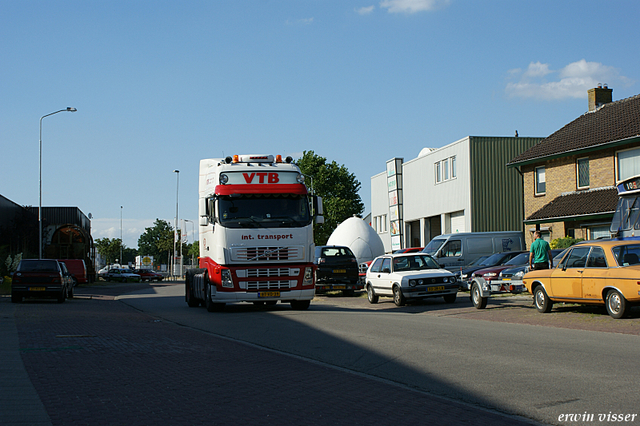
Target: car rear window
x: 336, y: 251
x: 627, y: 254
x: 38, y: 266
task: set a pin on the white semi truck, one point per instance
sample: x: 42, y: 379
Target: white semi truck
x: 256, y: 234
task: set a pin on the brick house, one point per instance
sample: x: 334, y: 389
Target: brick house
x: 570, y: 177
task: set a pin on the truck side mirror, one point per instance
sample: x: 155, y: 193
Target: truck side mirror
x: 203, y: 209
x: 317, y: 206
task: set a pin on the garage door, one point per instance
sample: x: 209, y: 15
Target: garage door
x: 457, y: 222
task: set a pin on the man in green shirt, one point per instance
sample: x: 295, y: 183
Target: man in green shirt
x: 540, y: 253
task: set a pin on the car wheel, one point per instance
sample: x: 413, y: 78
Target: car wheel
x: 16, y: 297
x: 300, y: 305
x: 371, y: 295
x: 398, y: 297
x: 478, y: 301
x: 617, y: 305
x: 541, y: 300
x: 63, y: 295
x: 70, y: 293
x: 449, y: 298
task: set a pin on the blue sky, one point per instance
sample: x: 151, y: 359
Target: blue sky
x: 160, y: 85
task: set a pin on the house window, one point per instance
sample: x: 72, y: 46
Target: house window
x: 628, y: 163
x: 445, y: 169
x: 582, y: 167
x: 540, y: 181
x: 380, y: 224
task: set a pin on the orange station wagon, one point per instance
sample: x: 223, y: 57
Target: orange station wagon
x: 596, y: 272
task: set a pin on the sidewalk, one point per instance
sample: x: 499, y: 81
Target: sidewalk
x: 97, y: 361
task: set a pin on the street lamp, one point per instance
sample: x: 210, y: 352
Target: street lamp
x: 68, y: 109
x: 175, y: 234
x: 120, y: 235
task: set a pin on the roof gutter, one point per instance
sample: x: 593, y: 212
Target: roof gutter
x: 574, y: 218
x: 585, y: 150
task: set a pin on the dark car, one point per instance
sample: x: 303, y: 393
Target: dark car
x: 41, y: 278
x: 337, y: 269
x: 493, y: 272
x: 465, y: 276
x: 148, y: 275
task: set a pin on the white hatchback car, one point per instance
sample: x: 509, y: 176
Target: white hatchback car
x: 409, y: 276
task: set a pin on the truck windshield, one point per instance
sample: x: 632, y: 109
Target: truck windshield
x: 264, y: 211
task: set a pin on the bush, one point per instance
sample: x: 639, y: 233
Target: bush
x: 563, y: 243
x: 5, y: 286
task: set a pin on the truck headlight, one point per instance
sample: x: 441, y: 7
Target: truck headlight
x: 225, y: 277
x: 308, y: 276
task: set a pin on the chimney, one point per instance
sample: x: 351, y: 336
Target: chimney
x: 599, y: 96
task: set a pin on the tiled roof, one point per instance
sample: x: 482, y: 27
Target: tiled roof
x: 611, y: 122
x: 579, y: 203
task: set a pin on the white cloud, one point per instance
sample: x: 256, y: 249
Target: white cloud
x: 538, y: 81
x: 365, y: 10
x: 412, y: 6
x: 110, y: 228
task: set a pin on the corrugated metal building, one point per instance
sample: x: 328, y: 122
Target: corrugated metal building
x: 462, y: 187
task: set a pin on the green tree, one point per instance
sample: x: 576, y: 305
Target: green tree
x: 338, y: 189
x: 109, y: 249
x: 157, y: 241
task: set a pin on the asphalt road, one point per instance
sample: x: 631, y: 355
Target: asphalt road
x: 574, y: 361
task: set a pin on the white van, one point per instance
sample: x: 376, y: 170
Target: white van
x: 455, y: 251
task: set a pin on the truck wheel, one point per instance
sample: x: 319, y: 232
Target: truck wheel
x: 478, y: 301
x: 450, y: 298
x: 347, y: 293
x: 300, y: 305
x: 541, y: 300
x: 188, y: 291
x: 617, y: 305
x: 371, y: 295
x: 398, y: 297
x: 211, y: 307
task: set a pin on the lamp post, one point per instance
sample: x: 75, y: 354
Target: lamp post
x: 175, y: 233
x: 120, y: 235
x: 68, y: 109
x: 194, y: 232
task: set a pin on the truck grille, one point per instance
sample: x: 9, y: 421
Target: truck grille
x: 261, y: 254
x: 271, y: 272
x: 269, y: 285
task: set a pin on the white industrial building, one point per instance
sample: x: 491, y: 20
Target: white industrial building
x: 464, y: 186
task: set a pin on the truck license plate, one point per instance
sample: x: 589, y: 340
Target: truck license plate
x: 438, y: 288
x: 339, y: 271
x: 269, y: 294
